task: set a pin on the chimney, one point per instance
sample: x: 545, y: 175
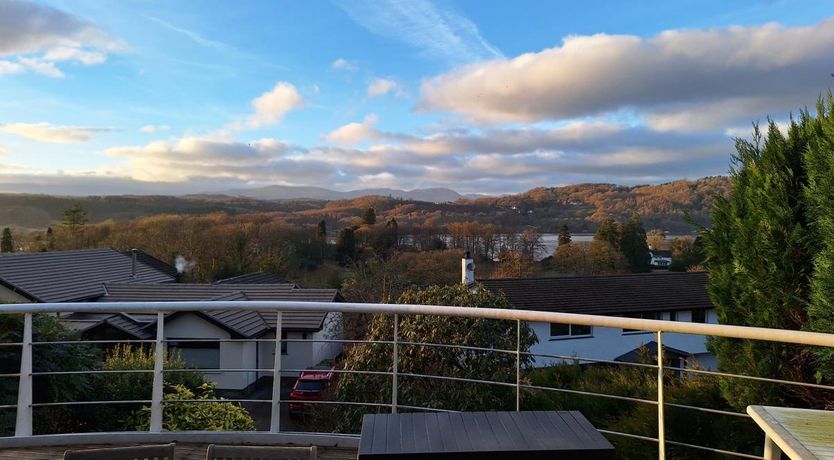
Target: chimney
x: 133, y: 263
x: 467, y: 270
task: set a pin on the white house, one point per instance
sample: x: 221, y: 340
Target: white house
x: 228, y: 339
x: 665, y: 296
x: 660, y: 259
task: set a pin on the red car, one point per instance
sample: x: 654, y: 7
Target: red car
x: 309, y: 387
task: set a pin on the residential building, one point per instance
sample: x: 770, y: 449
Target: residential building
x: 660, y: 259
x: 663, y: 296
x: 228, y: 339
x: 75, y: 276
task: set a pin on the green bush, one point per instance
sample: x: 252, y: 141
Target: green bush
x: 683, y: 425
x: 133, y: 385
x: 432, y: 361
x: 52, y: 388
x: 181, y: 413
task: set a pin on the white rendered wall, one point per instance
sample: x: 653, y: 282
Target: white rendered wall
x: 233, y: 355
x: 609, y: 343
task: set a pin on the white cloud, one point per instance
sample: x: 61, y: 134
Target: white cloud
x: 151, y: 129
x: 47, y: 132
x: 354, y: 133
x: 437, y: 32
x: 344, y: 64
x: 663, y: 76
x: 3, y: 150
x: 38, y: 36
x: 271, y: 106
x: 382, y: 86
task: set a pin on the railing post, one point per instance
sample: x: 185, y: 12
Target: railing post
x: 395, y: 359
x: 158, y: 378
x: 518, y: 366
x: 23, y: 425
x: 275, y: 420
x: 661, y: 424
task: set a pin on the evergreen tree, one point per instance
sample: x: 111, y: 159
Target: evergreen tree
x: 633, y: 245
x: 392, y: 231
x: 74, y: 221
x: 564, y: 235
x: 819, y: 160
x: 346, y: 245
x: 50, y: 239
x: 321, y: 238
x: 609, y: 231
x: 369, y: 217
x: 758, y: 253
x: 6, y: 243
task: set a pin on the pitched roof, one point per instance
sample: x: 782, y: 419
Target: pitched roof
x: 650, y: 350
x: 242, y: 322
x: 152, y: 261
x: 68, y: 276
x: 253, y: 278
x: 607, y: 295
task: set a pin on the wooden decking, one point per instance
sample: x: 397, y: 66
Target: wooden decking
x: 184, y: 452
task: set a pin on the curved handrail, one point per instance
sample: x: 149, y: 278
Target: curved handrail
x: 719, y: 330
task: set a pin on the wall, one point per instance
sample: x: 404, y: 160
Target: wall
x: 9, y: 296
x: 332, y: 330
x: 609, y: 343
x: 233, y: 355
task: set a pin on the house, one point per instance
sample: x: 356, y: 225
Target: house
x: 208, y: 339
x: 660, y: 259
x: 74, y: 276
x: 665, y: 296
x: 227, y: 339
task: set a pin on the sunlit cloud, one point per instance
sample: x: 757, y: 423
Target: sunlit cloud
x: 382, y: 86
x: 354, y: 133
x: 151, y: 129
x: 35, y: 37
x: 721, y: 75
x: 437, y: 32
x: 47, y: 132
x: 344, y: 64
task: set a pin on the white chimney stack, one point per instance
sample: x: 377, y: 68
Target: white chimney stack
x: 467, y: 270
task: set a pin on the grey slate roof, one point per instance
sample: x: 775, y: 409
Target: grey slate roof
x: 71, y: 276
x: 650, y: 349
x: 153, y: 262
x: 607, y: 295
x: 253, y: 278
x: 241, y: 322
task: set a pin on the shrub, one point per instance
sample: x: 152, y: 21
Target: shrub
x: 134, y: 385
x: 181, y: 413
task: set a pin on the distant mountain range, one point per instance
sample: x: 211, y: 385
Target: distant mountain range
x: 287, y: 192
x: 581, y: 206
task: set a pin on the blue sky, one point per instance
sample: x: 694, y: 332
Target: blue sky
x: 483, y: 97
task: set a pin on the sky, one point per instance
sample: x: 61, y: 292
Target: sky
x: 481, y: 96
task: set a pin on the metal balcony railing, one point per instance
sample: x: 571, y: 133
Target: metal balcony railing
x: 24, y: 402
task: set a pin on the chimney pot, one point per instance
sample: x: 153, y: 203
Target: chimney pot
x: 467, y: 270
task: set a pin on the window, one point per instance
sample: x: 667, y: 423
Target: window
x: 202, y: 354
x: 673, y: 316
x: 642, y: 315
x: 699, y: 316
x: 283, y: 342
x: 569, y: 330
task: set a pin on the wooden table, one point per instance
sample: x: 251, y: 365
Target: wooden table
x: 800, y: 433
x: 469, y: 435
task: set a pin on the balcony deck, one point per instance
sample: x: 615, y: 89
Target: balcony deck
x: 185, y: 451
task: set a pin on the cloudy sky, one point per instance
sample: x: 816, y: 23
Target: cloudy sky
x: 101, y: 97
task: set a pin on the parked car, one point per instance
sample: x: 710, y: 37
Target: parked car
x: 309, y: 387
